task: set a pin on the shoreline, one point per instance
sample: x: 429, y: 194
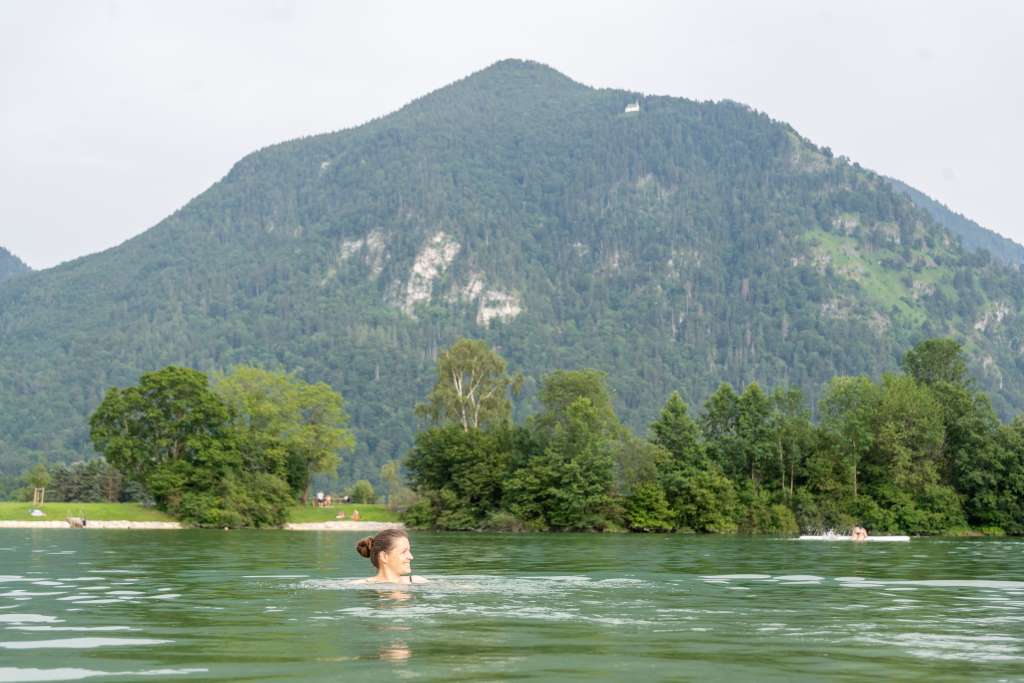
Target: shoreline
x: 340, y: 525
x: 124, y: 524
x: 90, y: 524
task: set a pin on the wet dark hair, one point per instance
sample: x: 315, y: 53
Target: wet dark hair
x: 372, y: 546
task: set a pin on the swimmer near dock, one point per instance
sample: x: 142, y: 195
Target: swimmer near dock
x: 831, y: 536
x: 341, y: 525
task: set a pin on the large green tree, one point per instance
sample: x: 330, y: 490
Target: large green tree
x: 285, y: 426
x: 170, y: 417
x: 720, y: 426
x: 567, y: 486
x: 461, y: 474
x: 562, y: 388
x: 795, y: 437
x: 754, y: 423
x: 93, y: 481
x: 903, y: 473
x: 173, y: 435
x: 936, y: 360
x: 677, y: 433
x: 972, y: 452
x: 849, y: 410
x: 997, y: 483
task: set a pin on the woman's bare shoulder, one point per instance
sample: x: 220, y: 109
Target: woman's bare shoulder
x: 374, y: 579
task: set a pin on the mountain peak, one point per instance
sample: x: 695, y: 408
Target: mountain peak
x: 11, y: 265
x: 523, y: 68
x: 517, y: 81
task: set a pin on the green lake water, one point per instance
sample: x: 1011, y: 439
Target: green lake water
x: 275, y: 606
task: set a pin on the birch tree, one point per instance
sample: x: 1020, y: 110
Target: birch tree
x: 472, y: 387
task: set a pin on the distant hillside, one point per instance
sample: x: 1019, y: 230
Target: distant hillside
x: 675, y: 248
x: 972, y: 235
x: 10, y: 265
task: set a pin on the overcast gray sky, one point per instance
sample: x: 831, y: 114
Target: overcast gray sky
x: 114, y: 114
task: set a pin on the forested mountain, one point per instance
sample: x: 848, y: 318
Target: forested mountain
x: 677, y: 247
x: 972, y: 235
x: 10, y: 265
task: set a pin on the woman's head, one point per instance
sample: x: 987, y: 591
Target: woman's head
x: 390, y: 548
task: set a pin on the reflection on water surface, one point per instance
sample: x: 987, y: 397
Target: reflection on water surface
x: 197, y: 606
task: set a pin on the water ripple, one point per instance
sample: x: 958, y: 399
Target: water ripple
x: 78, y: 643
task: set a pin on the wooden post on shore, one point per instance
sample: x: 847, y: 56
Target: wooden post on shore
x: 38, y: 496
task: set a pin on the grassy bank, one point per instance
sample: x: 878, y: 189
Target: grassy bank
x: 133, y: 512
x: 128, y: 512
x: 367, y: 513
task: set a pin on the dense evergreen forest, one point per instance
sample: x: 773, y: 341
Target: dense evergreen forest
x: 972, y: 236
x: 689, y: 244
x: 10, y: 265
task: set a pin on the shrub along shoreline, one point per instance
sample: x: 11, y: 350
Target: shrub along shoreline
x: 919, y: 453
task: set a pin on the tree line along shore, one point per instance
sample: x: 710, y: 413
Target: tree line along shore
x: 916, y: 452
x: 919, y: 452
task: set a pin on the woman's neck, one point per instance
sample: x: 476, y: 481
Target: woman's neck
x: 385, y: 575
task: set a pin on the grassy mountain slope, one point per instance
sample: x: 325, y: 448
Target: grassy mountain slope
x: 675, y: 248
x: 972, y: 235
x: 11, y: 265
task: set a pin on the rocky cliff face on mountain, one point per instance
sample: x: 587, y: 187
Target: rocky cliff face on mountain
x: 10, y: 265
x: 675, y: 247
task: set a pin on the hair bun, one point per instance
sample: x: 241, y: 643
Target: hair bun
x: 365, y: 546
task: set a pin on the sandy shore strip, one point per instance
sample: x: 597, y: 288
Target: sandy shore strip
x: 90, y: 524
x: 344, y: 526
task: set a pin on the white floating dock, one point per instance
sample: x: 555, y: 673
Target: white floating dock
x: 841, y: 537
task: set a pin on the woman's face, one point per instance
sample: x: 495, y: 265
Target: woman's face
x: 399, y: 558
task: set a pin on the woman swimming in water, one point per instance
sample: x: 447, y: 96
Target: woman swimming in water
x: 391, y: 553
